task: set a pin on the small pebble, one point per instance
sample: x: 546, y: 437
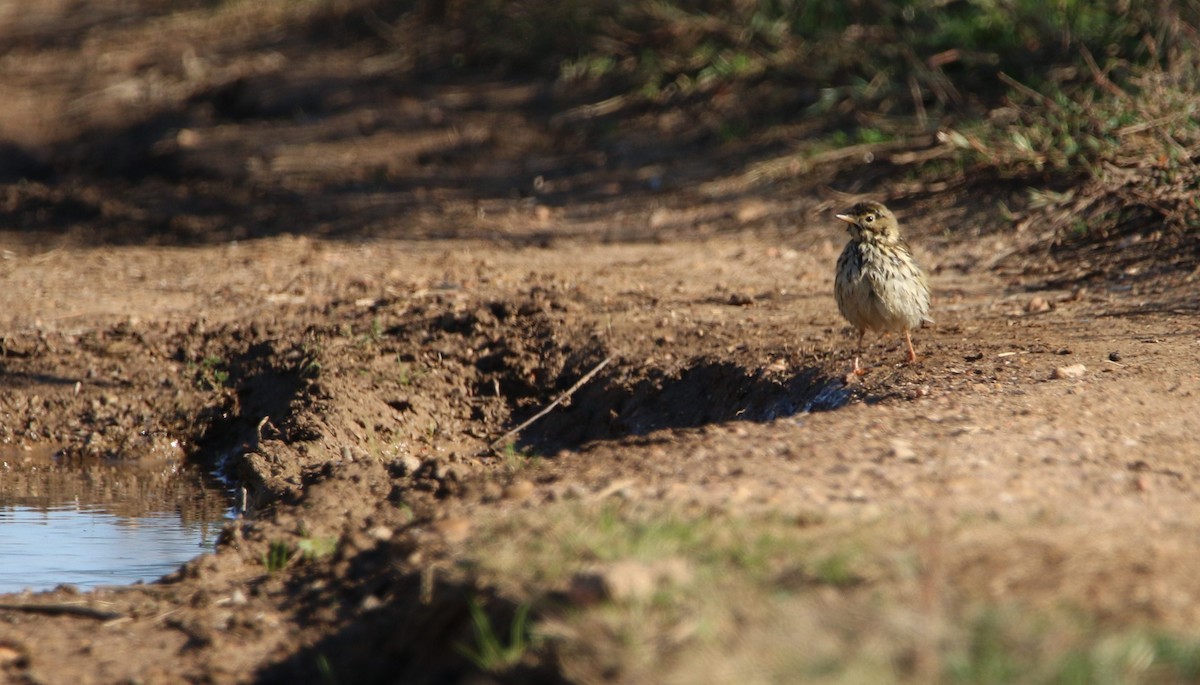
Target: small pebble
x: 409, y: 465
x: 903, y: 450
x: 1114, y: 356
x: 1072, y: 371
x: 10, y: 654
x: 380, y: 533
x: 1037, y: 305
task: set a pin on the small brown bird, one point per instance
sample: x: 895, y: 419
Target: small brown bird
x: 879, y: 285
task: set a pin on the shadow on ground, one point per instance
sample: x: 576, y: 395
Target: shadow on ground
x: 707, y: 392
x: 402, y: 629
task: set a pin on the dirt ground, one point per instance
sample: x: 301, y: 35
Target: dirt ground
x: 345, y: 286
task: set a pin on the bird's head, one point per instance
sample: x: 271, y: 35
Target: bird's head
x: 871, y: 222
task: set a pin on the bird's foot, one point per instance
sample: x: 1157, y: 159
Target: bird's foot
x: 858, y: 372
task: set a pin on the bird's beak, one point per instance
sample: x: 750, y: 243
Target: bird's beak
x: 846, y: 217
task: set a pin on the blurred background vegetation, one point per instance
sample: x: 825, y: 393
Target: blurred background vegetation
x: 1101, y: 93
x: 894, y: 57
x: 1091, y: 103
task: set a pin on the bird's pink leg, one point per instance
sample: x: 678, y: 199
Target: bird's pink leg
x: 912, y: 354
x: 858, y: 370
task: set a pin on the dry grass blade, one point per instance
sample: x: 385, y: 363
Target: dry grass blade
x: 1099, y: 76
x: 1027, y: 91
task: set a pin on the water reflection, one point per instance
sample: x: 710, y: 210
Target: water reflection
x: 100, y: 522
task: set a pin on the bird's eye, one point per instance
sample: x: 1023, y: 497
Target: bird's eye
x: 870, y: 218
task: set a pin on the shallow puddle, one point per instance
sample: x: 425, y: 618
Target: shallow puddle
x: 101, y: 522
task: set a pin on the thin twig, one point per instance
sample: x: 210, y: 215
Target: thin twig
x: 1099, y: 75
x: 591, y: 111
x: 918, y: 101
x: 557, y: 401
x: 64, y: 610
x: 1028, y: 91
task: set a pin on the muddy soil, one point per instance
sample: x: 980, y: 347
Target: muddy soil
x: 347, y: 288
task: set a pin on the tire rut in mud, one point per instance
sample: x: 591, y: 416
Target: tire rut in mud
x: 635, y: 401
x: 522, y: 356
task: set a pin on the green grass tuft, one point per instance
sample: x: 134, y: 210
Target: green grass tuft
x: 490, y: 652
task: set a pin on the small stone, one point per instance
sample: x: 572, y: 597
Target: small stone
x: 408, y: 465
x: 380, y: 533
x: 1114, y: 356
x: 1037, y: 305
x: 741, y: 299
x: 10, y: 655
x: 237, y: 598
x: 370, y: 603
x: 1071, y: 371
x: 903, y: 450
